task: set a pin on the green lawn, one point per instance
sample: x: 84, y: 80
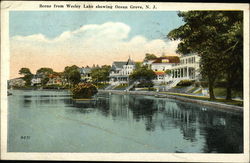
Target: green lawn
x: 230, y: 102
x: 121, y: 86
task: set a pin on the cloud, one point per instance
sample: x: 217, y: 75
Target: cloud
x: 88, y: 45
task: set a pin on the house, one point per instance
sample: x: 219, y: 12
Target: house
x: 85, y: 74
x: 187, y: 69
x: 17, y: 82
x: 55, y: 79
x: 36, y: 80
x: 120, y: 71
x: 160, y: 66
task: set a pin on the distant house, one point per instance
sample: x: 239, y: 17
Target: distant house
x: 160, y: 66
x: 85, y: 74
x: 17, y: 82
x: 55, y: 79
x: 120, y: 71
x: 36, y: 80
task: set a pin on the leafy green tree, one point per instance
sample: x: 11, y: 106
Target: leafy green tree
x: 144, y: 75
x: 149, y: 56
x: 27, y: 75
x: 44, y: 80
x: 45, y: 71
x: 211, y: 34
x: 100, y: 74
x: 74, y: 77
x: 72, y: 74
x: 24, y: 71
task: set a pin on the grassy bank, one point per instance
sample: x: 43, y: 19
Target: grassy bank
x: 221, y: 100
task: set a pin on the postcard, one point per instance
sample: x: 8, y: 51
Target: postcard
x: 127, y: 81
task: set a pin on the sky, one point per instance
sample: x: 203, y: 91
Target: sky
x: 57, y: 39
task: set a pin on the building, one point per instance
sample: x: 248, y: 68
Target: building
x: 17, y: 82
x: 36, y: 80
x: 187, y: 69
x: 160, y: 66
x: 120, y: 71
x: 55, y: 79
x: 85, y: 74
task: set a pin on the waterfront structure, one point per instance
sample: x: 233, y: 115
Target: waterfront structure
x: 120, y: 71
x: 171, y: 69
x: 85, y: 74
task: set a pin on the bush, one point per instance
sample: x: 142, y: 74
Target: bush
x: 145, y: 83
x: 185, y: 83
x: 84, y: 90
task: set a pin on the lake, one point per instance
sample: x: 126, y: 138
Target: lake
x: 50, y: 121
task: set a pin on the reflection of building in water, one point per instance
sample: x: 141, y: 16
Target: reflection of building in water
x: 119, y: 106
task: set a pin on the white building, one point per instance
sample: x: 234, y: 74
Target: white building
x: 188, y: 68
x: 36, y: 80
x: 160, y: 66
x: 120, y: 71
x: 17, y: 82
x: 85, y: 74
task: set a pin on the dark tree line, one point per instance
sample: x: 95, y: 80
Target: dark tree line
x: 217, y: 36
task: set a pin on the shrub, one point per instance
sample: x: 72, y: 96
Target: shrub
x: 185, y: 83
x: 84, y: 90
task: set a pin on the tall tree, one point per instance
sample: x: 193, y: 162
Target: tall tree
x: 100, y: 74
x: 208, y: 34
x: 144, y: 75
x: 149, y: 56
x: 27, y: 75
x: 45, y: 71
x: 72, y: 74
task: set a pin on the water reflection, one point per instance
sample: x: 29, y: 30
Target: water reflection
x: 216, y: 131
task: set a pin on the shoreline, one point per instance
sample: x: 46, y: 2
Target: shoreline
x: 176, y: 97
x: 164, y: 95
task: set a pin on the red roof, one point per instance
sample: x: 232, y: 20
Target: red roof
x: 167, y: 59
x: 159, y: 72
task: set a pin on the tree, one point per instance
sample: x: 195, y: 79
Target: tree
x: 74, y: 77
x: 27, y: 75
x: 208, y: 34
x: 144, y: 75
x: 100, y: 74
x: 24, y: 71
x: 72, y: 74
x: 45, y: 71
x: 149, y: 56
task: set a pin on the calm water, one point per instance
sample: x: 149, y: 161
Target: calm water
x: 49, y: 121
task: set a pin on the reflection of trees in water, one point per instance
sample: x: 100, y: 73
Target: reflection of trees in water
x: 222, y: 131
x: 224, y: 134
x: 143, y: 109
x: 119, y: 106
x: 102, y: 104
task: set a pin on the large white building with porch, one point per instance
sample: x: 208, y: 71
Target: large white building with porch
x: 120, y: 71
x: 171, y: 69
x: 187, y: 69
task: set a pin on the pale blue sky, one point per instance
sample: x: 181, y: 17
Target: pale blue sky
x: 151, y: 24
x: 57, y: 39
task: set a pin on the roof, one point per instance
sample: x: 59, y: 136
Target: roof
x: 118, y: 64
x: 159, y: 72
x: 85, y: 70
x: 130, y: 62
x: 167, y: 59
